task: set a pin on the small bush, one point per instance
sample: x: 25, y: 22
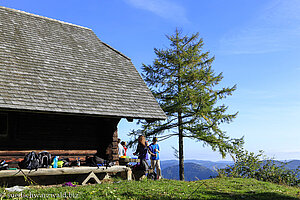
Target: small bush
x: 258, y: 166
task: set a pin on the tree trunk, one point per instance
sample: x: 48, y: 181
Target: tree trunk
x: 181, y: 160
x: 180, y: 128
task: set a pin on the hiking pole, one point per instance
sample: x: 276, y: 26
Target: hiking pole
x: 196, y: 189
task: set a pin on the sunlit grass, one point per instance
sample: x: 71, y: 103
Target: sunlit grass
x: 218, y: 188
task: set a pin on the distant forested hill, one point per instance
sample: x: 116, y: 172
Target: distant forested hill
x: 192, y: 172
x: 293, y: 164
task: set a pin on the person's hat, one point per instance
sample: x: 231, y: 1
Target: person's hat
x: 155, y: 139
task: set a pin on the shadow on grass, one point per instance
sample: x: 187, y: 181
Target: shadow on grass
x: 258, y: 196
x: 214, y: 195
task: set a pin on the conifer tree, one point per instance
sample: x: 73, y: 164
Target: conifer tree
x: 184, y: 83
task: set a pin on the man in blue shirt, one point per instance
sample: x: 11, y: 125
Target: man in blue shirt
x: 155, y: 163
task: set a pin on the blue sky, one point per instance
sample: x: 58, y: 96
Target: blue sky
x: 256, y: 44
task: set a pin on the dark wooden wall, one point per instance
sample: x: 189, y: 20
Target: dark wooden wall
x: 32, y: 131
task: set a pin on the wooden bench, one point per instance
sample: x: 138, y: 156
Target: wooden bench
x: 85, y: 173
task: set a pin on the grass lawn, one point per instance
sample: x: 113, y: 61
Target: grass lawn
x: 218, y: 188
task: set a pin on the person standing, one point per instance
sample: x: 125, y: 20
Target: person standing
x: 155, y: 162
x: 142, y: 152
x: 121, y: 148
x: 124, y: 146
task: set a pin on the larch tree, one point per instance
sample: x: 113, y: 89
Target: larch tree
x: 185, y: 85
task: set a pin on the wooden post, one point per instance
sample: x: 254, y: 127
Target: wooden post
x: 129, y: 174
x: 115, y: 153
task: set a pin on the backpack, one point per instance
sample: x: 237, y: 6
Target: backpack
x: 94, y: 161
x: 152, y: 175
x: 3, y: 166
x: 31, y: 161
x: 45, y: 159
x: 143, y: 165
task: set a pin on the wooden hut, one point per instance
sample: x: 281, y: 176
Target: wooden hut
x: 64, y: 90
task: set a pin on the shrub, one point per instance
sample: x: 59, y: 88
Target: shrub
x: 258, y: 166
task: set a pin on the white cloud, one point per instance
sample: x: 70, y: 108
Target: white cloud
x: 163, y: 8
x: 275, y: 28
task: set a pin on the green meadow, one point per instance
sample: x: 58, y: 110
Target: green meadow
x: 217, y: 188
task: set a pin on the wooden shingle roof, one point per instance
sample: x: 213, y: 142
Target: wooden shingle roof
x: 53, y: 66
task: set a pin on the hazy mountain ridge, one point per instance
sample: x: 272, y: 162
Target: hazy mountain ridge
x: 209, y: 164
x: 201, y: 169
x: 290, y: 164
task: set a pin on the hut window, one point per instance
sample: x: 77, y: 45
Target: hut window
x: 3, y: 124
